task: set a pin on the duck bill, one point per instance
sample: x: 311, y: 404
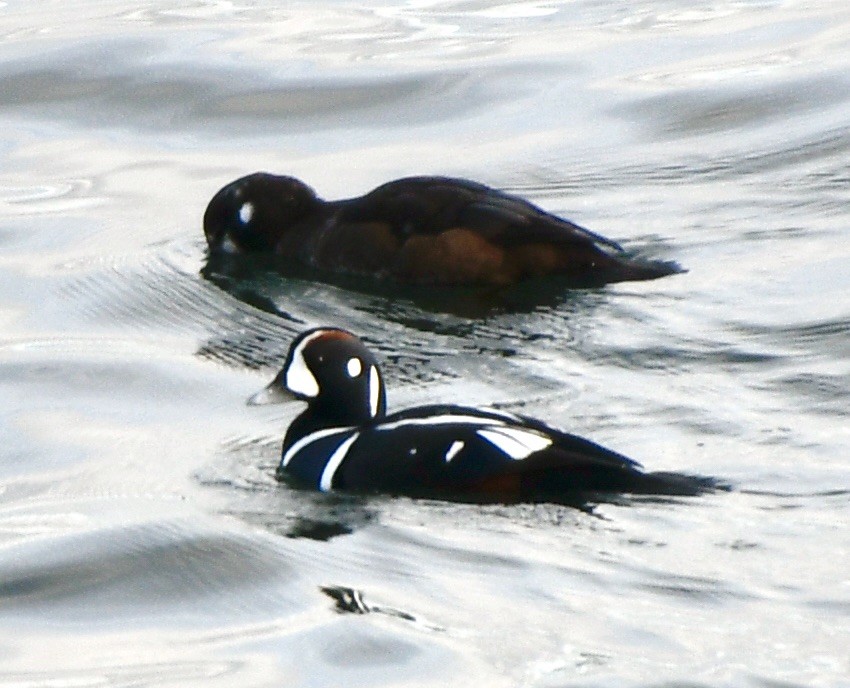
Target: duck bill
x: 273, y: 393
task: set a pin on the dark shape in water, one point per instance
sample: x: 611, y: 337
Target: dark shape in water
x: 417, y: 230
x: 350, y: 601
x: 347, y: 600
x: 346, y: 441
x: 318, y: 530
x: 268, y: 283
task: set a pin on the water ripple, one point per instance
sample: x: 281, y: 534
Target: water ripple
x: 139, y: 514
x: 166, y: 97
x: 127, y: 570
x: 64, y: 196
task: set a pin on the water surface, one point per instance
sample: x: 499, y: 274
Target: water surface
x: 144, y: 539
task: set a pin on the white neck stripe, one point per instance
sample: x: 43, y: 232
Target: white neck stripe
x: 333, y: 463
x: 374, y: 390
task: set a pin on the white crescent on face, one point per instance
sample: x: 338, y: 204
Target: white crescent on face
x: 298, y: 377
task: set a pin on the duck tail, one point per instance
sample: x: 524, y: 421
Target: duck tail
x: 677, y: 484
x: 630, y: 269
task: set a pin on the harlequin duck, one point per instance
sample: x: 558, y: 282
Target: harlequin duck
x: 418, y: 230
x: 346, y: 441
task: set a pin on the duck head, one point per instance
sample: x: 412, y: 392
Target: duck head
x: 335, y: 373
x: 253, y: 212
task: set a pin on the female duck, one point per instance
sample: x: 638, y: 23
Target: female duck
x: 418, y: 230
x: 346, y: 441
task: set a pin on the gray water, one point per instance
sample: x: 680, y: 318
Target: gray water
x: 144, y: 539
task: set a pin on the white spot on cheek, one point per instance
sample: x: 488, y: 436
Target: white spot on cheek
x: 246, y: 212
x: 354, y: 367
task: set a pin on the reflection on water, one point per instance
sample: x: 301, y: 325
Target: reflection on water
x: 139, y: 516
x: 264, y: 282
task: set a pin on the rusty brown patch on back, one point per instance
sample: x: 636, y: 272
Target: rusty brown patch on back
x: 537, y: 260
x: 456, y: 256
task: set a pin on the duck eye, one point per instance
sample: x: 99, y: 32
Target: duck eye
x: 246, y: 212
x: 354, y: 367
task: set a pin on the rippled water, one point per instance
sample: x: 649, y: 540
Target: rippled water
x: 144, y: 539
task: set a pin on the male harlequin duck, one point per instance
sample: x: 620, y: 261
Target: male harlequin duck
x: 418, y: 230
x: 346, y: 441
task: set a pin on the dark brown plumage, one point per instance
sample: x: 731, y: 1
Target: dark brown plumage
x: 418, y: 230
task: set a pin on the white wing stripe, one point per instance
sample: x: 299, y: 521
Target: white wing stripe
x: 457, y: 445
x: 515, y: 442
x: 441, y: 420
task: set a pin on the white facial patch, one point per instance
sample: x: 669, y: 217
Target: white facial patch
x: 298, y: 378
x: 515, y: 442
x: 228, y: 245
x: 246, y: 212
x: 374, y: 390
x: 457, y: 445
x: 354, y: 367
